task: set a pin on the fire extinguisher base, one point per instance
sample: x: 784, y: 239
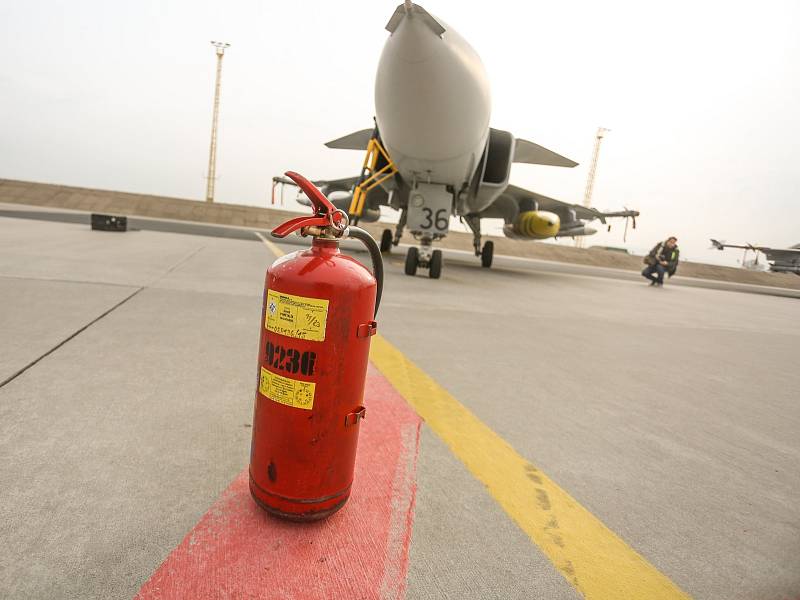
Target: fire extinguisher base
x: 297, y: 510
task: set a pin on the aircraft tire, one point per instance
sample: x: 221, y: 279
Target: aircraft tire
x: 412, y: 261
x: 386, y: 241
x: 435, y: 266
x: 487, y: 254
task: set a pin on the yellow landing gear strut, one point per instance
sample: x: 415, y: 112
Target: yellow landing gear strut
x: 371, y: 176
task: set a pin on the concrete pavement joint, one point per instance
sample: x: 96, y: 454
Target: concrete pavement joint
x: 182, y: 261
x: 73, y: 335
x: 98, y: 318
x: 56, y: 280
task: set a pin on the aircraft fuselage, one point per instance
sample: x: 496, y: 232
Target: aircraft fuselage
x: 432, y: 104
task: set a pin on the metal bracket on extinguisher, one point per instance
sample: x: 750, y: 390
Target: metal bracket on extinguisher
x: 367, y: 329
x: 355, y: 416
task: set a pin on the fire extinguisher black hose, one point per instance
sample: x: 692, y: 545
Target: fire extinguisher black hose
x: 377, y: 259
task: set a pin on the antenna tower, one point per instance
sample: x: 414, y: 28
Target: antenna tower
x: 587, y: 195
x: 212, y: 153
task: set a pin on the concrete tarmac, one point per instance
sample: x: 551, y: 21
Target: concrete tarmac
x: 128, y: 360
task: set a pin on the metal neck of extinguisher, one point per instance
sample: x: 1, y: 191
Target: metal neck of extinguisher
x: 330, y: 223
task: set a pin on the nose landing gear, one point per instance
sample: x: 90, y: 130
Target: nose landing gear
x: 412, y: 261
x: 424, y: 257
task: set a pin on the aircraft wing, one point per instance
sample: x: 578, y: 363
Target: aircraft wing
x: 774, y: 254
x: 524, y: 151
x: 357, y: 140
x: 345, y: 184
x: 534, y: 154
x: 525, y: 197
x: 722, y: 245
x: 780, y: 254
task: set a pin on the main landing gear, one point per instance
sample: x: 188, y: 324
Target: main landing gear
x: 386, y: 241
x: 487, y: 252
x: 424, y: 257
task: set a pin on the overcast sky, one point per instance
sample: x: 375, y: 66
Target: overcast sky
x: 703, y: 100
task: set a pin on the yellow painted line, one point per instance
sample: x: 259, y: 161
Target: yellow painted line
x: 272, y: 247
x: 588, y: 554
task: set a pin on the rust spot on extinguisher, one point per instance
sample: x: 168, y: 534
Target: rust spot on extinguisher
x: 272, y: 472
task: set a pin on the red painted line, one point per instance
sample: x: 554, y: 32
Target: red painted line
x: 237, y: 551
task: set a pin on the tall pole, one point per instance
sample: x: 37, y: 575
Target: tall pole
x: 212, y: 153
x: 587, y: 195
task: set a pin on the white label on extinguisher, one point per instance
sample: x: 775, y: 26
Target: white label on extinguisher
x: 296, y: 316
x: 291, y: 392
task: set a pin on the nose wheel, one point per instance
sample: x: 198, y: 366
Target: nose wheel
x: 412, y: 261
x: 432, y: 261
x: 435, y: 265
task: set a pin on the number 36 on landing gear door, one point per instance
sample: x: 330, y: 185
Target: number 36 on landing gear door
x: 429, y: 207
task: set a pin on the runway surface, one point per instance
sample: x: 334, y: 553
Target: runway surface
x: 657, y: 428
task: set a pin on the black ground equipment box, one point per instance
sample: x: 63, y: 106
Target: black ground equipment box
x: 109, y: 223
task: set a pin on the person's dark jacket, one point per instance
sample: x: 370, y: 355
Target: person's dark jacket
x: 662, y: 253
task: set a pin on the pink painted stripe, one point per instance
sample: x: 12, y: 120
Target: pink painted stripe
x: 237, y: 551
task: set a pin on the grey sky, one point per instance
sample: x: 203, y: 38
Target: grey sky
x: 703, y: 99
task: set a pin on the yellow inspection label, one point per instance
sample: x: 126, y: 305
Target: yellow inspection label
x: 296, y: 316
x: 291, y: 392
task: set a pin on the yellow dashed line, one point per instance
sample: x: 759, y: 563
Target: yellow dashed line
x: 270, y: 245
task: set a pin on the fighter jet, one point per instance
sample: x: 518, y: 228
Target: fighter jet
x: 782, y: 260
x: 432, y: 154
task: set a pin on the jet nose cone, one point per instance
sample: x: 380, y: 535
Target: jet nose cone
x: 415, y: 33
x: 431, y: 91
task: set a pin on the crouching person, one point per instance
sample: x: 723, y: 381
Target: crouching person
x: 663, y: 258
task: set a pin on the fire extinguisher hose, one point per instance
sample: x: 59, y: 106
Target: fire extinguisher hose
x: 377, y: 260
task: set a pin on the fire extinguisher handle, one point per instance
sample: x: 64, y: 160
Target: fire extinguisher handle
x: 325, y: 213
x: 322, y: 206
x: 377, y: 259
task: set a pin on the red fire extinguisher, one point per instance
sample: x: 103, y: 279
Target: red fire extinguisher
x: 317, y: 320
